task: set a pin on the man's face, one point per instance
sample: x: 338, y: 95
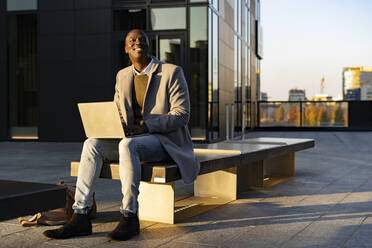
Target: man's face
x: 136, y: 44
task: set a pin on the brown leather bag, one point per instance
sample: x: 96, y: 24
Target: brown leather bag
x: 58, y: 216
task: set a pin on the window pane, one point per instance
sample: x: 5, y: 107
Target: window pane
x: 247, y: 26
x: 215, y: 4
x: 22, y: 76
x: 248, y: 115
x: 210, y: 59
x: 237, y: 16
x: 248, y: 74
x: 128, y: 19
x: 170, y: 51
x: 215, y: 108
x: 199, y: 71
x: 13, y: 5
x: 215, y: 57
x: 168, y: 18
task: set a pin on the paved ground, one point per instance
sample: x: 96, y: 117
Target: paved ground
x: 327, y: 204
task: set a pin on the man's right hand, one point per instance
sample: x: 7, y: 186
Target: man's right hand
x: 135, y: 129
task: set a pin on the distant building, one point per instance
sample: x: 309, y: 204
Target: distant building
x: 339, y: 97
x: 321, y: 97
x: 297, y: 95
x: 357, y: 83
x: 264, y: 96
x: 352, y: 95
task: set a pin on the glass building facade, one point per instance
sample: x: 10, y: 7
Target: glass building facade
x: 215, y: 42
x: 357, y: 83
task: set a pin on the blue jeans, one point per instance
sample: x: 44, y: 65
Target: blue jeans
x: 129, y: 152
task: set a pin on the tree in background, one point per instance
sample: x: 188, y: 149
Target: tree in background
x: 338, y: 117
x: 293, y: 115
x: 323, y: 117
x: 280, y: 114
x: 311, y: 115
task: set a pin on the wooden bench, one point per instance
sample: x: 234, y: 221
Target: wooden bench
x: 226, y: 169
x: 24, y: 198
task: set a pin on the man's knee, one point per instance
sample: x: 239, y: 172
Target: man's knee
x: 91, y: 143
x: 127, y: 144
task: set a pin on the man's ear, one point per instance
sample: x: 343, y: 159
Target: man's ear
x: 125, y: 48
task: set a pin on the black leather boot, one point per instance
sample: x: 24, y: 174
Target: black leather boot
x: 127, y: 228
x: 78, y: 225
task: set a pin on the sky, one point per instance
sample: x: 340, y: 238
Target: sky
x: 305, y: 40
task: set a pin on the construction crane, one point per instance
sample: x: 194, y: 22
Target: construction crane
x: 322, y: 85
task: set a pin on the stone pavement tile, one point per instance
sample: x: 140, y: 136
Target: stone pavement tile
x: 307, y: 207
x: 362, y: 237
x: 351, y: 210
x: 247, y: 211
x: 30, y: 237
x: 267, y: 235
x: 258, y: 193
x: 332, y: 227
x: 367, y: 185
x: 291, y: 215
x: 217, y: 233
x: 6, y: 229
x: 11, y: 226
x: 159, y: 234
x: 293, y: 187
x: 312, y: 242
x: 285, y: 200
x: 356, y: 179
x: 324, y: 197
x: 243, y: 209
x: 255, y: 195
x: 50, y: 244
x: 96, y: 239
x: 303, y: 180
x: 357, y: 202
x: 114, y: 244
x: 185, y: 245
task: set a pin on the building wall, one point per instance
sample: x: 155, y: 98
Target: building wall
x: 74, y: 63
x: 3, y: 73
x: 254, y: 72
x: 354, y: 80
x: 226, y: 63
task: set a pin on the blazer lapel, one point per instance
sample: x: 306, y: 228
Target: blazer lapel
x: 154, y: 67
x: 127, y: 96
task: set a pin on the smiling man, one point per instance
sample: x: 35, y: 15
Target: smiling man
x: 153, y: 101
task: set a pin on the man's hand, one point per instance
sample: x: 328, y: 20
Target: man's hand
x: 135, y: 129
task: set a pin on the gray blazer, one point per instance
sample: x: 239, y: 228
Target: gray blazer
x: 166, y: 112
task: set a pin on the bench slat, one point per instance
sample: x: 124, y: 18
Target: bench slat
x: 151, y: 172
x: 212, y: 157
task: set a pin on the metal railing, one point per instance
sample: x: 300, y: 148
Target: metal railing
x: 233, y: 128
x: 303, y: 114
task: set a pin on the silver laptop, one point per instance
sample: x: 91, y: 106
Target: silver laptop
x: 101, y: 120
